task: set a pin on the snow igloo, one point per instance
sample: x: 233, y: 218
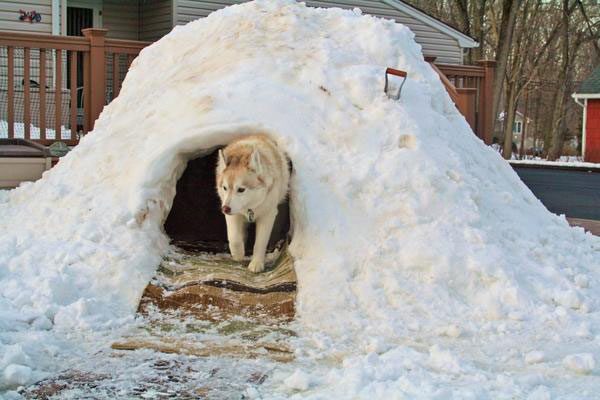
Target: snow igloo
x: 405, y: 224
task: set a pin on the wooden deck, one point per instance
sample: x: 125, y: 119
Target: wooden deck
x: 57, y: 84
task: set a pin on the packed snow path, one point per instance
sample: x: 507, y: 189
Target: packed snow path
x: 425, y: 267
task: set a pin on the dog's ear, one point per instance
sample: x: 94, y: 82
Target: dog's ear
x: 255, y: 163
x: 222, y: 163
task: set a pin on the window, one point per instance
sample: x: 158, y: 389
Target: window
x: 517, y: 127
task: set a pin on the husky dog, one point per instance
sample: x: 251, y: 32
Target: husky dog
x: 252, y: 179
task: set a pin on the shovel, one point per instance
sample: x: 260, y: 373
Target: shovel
x: 388, y: 88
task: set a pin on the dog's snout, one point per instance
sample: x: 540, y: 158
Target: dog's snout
x: 226, y: 209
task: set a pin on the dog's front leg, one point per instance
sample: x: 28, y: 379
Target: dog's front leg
x: 264, y: 226
x: 236, y: 235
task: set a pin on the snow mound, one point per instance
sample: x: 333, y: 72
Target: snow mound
x: 404, y: 222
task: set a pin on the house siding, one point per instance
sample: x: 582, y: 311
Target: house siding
x: 122, y: 19
x: 156, y: 19
x: 434, y: 43
x: 592, y: 134
x: 9, y: 16
x: 9, y: 21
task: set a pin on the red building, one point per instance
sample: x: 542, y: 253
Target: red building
x: 588, y: 97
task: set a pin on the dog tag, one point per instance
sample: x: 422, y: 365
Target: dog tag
x: 250, y: 215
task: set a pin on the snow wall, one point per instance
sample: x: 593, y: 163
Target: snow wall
x: 404, y: 222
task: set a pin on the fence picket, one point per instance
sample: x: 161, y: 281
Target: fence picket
x: 11, y: 92
x: 42, y: 95
x: 115, y: 76
x: 27, y: 92
x: 73, y: 111
x: 58, y: 96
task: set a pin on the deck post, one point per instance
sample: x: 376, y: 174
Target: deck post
x: 486, y: 99
x: 97, y: 65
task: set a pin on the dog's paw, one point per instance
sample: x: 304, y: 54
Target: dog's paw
x: 237, y: 251
x: 256, y: 266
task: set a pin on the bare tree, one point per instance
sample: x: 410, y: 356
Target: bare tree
x: 505, y: 34
x: 571, y: 39
x: 543, y: 47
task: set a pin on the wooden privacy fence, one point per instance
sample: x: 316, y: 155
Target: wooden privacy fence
x: 471, y: 89
x: 54, y: 87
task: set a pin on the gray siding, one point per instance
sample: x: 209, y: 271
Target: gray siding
x: 121, y: 18
x: 156, y: 19
x: 189, y: 10
x: 434, y: 42
x: 9, y: 16
x: 9, y: 21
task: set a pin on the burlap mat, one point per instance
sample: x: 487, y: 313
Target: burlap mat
x: 208, y: 285
x: 216, y: 288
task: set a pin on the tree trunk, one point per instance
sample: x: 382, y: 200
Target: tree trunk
x: 558, y: 119
x: 509, y: 119
x: 507, y: 26
x: 561, y: 129
x: 522, y: 151
x: 549, y: 124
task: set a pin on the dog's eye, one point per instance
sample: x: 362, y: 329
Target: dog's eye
x: 224, y: 188
x: 241, y: 190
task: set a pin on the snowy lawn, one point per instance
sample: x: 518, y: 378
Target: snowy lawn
x: 562, y: 162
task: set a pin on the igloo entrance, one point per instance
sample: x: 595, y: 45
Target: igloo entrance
x: 200, y: 276
x: 195, y: 221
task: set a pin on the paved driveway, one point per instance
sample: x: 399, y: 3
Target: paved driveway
x: 575, y: 193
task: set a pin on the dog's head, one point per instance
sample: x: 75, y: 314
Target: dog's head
x: 240, y: 182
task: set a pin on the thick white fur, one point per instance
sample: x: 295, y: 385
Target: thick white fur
x: 255, y: 164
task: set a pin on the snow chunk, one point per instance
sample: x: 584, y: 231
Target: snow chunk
x: 568, y: 298
x: 444, y: 360
x: 582, y: 280
x: 15, y: 375
x: 452, y: 331
x: 13, y: 354
x: 582, y: 363
x: 299, y: 380
x: 534, y: 357
x: 42, y: 323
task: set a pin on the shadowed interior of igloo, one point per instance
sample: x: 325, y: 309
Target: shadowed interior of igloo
x: 195, y: 221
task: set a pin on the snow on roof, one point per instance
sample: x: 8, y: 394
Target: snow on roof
x: 425, y: 266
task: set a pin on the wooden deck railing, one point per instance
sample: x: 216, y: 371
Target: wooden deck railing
x: 471, y: 89
x: 54, y: 87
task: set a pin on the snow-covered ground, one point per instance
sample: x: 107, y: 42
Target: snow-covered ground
x: 426, y: 269
x: 561, y: 162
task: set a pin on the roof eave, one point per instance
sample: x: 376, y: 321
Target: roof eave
x: 463, y: 40
x: 586, y: 95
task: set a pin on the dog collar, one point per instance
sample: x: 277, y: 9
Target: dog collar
x: 250, y: 215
